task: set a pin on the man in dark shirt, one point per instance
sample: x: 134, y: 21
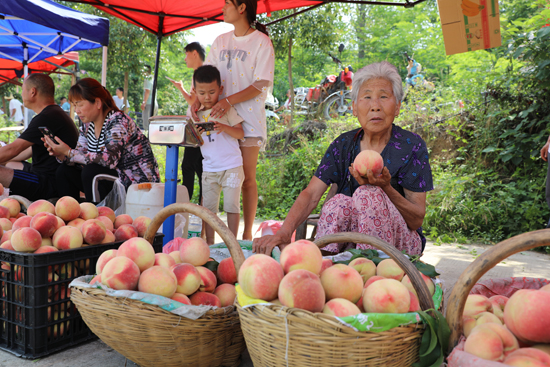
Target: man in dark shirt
x: 39, y: 183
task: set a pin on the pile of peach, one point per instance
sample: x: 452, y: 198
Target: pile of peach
x: 67, y: 225
x: 180, y: 275
x: 514, y: 331
x: 303, y: 279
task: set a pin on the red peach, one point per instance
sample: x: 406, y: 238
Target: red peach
x: 66, y: 238
x: 181, y: 298
x: 40, y: 206
x: 125, y: 232
x: 340, y: 307
x: 1, y: 189
x: 302, y: 254
x: 141, y: 224
x: 5, y: 223
x: 208, y: 279
x: 45, y: 223
x: 342, y: 281
x: 164, y: 260
x: 26, y: 239
x: 546, y: 288
x: 105, y: 211
x: 365, y: 267
x: 386, y: 296
x: 45, y: 249
x: 188, y: 278
x: 388, y: 268
x: 60, y: 223
x: 20, y: 215
x: 470, y: 322
x: 372, y: 280
x: 4, y: 212
x: 194, y: 251
x: 259, y: 277
x: 544, y: 347
x: 76, y: 223
x: 95, y: 279
x: 368, y: 159
x: 526, y: 315
x: 6, y: 236
x: 138, y: 250
x: 93, y: 231
x: 22, y: 222
x: 120, y: 273
x: 429, y: 283
x: 226, y: 271
x: 176, y: 256
x: 158, y: 280
x: 123, y: 219
x: 109, y: 237
x: 67, y: 208
x: 104, y: 259
x: 88, y: 211
x: 205, y: 298
x: 491, y: 341
x: 415, y: 303
x: 301, y: 288
x: 13, y: 206
x: 498, y: 302
x: 106, y: 222
x: 226, y: 294
x: 6, y: 245
x: 527, y: 357
x: 325, y: 264
x: 475, y: 304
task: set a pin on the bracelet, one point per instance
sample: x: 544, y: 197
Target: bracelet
x: 228, y: 102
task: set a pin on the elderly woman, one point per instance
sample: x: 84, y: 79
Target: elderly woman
x: 390, y: 206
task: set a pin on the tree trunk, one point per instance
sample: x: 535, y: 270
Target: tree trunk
x: 290, y: 84
x: 360, y: 30
x: 126, y: 92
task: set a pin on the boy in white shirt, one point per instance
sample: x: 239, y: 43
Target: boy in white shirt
x: 222, y: 166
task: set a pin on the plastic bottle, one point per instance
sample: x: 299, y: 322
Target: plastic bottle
x: 195, y: 226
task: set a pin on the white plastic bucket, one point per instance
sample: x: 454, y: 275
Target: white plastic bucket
x: 149, y: 201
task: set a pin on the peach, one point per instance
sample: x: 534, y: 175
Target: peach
x: 188, y: 278
x: 105, y: 211
x: 526, y: 315
x: 4, y: 212
x: 546, y: 288
x: 158, y: 280
x: 109, y: 237
x: 491, y: 341
x: 301, y: 288
x: 5, y: 223
x: 386, y: 296
x: 359, y: 304
x: 60, y: 223
x: 45, y: 249
x: 544, y: 347
x: 481, y: 318
x: 415, y: 303
x: 194, y: 251
x: 26, y: 239
x: 498, y: 303
x: 6, y: 236
x: 302, y: 254
x: 1, y: 189
x: 6, y: 245
x: 77, y: 223
x: 93, y: 231
x: 46, y: 241
x: 106, y: 222
x: 342, y: 281
x: 164, y: 260
x: 120, y: 273
x: 123, y: 219
x: 372, y: 280
x: 475, y: 304
x: 527, y: 357
x: 226, y: 294
x: 340, y: 307
x: 22, y: 222
x: 141, y: 224
x: 388, y: 268
x: 205, y: 298
x: 429, y: 283
x: 176, y: 256
x: 40, y: 206
x: 66, y: 238
x: 104, y: 259
x: 125, y: 232
x: 13, y: 206
x: 368, y: 159
x: 45, y: 223
x: 365, y: 267
x: 226, y: 271
x: 325, y: 264
x: 181, y: 298
x: 95, y: 279
x: 208, y: 279
x: 138, y: 250
x: 88, y: 211
x: 259, y: 277
x: 67, y: 208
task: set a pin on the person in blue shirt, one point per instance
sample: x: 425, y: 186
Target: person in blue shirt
x: 65, y: 105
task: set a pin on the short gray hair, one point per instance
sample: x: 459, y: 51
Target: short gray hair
x: 378, y: 70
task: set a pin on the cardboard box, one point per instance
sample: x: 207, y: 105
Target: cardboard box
x: 469, y: 25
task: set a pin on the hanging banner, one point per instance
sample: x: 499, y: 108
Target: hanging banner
x: 469, y: 25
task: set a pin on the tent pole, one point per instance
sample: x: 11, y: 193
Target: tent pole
x: 25, y: 74
x: 104, y: 67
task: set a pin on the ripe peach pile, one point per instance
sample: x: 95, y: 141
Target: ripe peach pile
x: 303, y: 279
x: 180, y: 275
x: 514, y: 331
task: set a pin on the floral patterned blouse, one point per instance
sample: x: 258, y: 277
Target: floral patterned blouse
x: 126, y: 149
x: 405, y: 155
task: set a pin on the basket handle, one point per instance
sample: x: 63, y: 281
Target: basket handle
x: 424, y: 297
x: 212, y: 219
x: 486, y: 261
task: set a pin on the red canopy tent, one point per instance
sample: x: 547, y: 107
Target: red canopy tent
x: 11, y: 71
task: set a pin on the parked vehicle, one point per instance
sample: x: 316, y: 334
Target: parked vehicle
x: 271, y: 104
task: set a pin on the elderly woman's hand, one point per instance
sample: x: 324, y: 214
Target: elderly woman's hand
x: 266, y: 244
x: 382, y: 180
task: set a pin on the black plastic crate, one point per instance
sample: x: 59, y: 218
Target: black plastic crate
x: 37, y: 317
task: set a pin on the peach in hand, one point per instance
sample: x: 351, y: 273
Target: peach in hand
x: 368, y: 159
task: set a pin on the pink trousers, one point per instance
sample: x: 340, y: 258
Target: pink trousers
x: 368, y: 211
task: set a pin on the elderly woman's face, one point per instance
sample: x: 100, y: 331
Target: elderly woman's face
x: 376, y: 106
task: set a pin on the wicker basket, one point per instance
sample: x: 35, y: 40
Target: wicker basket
x: 151, y: 336
x: 486, y: 261
x: 282, y: 336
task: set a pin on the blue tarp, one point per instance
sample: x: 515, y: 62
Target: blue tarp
x: 47, y: 29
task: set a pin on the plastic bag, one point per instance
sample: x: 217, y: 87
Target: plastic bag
x: 116, y: 199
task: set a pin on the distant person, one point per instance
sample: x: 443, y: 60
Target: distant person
x: 147, y: 104
x: 65, y: 105
x: 39, y: 182
x: 223, y: 161
x: 120, y: 101
x: 246, y: 61
x: 110, y: 143
x: 16, y: 110
x: 192, y: 157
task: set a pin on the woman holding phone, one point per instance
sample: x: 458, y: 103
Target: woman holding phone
x: 110, y: 142
x: 245, y: 59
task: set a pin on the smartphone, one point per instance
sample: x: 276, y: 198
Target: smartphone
x: 45, y: 131
x: 207, y: 126
x: 172, y: 80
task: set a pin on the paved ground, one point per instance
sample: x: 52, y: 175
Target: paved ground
x: 450, y: 260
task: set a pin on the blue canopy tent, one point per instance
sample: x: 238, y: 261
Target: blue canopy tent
x: 33, y: 30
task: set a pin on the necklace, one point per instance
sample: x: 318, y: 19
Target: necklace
x: 246, y: 31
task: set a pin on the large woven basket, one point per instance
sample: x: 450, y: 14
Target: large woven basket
x: 151, y: 336
x: 486, y: 261
x: 281, y: 336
